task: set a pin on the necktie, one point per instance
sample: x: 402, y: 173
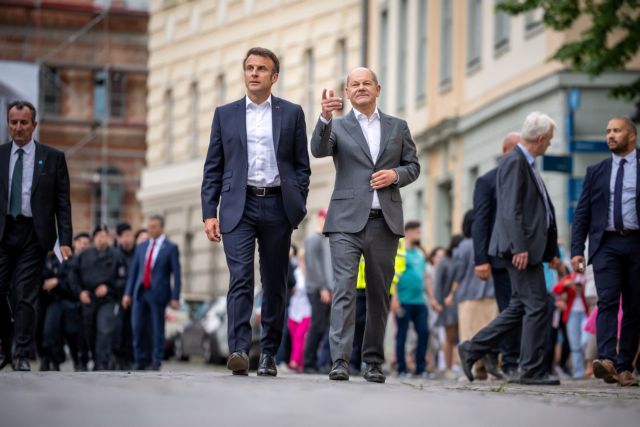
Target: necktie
x: 146, y: 278
x: 543, y: 191
x: 15, y: 198
x: 617, y: 198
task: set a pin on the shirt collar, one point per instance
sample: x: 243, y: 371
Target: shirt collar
x: 374, y: 116
x: 28, y: 147
x: 251, y: 104
x: 527, y: 154
x: 630, y: 158
x: 159, y: 240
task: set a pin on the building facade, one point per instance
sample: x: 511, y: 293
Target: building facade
x: 90, y: 59
x: 196, y: 50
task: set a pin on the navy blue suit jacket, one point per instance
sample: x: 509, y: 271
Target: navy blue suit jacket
x: 224, y: 181
x: 167, y: 264
x: 484, y: 217
x: 592, y: 212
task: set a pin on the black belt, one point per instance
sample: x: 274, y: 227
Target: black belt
x: 375, y: 213
x: 263, y: 191
x: 20, y: 218
x: 623, y: 233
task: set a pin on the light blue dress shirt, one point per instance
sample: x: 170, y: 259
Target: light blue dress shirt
x: 629, y: 191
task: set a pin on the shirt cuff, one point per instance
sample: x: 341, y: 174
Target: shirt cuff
x: 323, y: 120
x: 397, y: 176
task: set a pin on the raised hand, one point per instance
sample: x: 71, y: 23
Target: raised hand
x: 330, y: 103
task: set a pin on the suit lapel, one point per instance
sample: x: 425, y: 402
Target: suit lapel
x: 276, y: 119
x: 37, y: 166
x: 385, y: 130
x: 241, y: 106
x: 4, y: 165
x: 354, y: 129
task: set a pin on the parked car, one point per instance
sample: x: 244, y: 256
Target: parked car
x: 173, y: 321
x: 205, y: 334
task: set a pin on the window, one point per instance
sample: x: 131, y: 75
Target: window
x: 421, y: 54
x: 221, y: 90
x: 383, y: 47
x: 533, y: 21
x: 117, y: 94
x: 51, y: 88
x: 100, y: 95
x: 474, y: 33
x: 195, y: 113
x: 501, y: 29
x: 310, y: 74
x: 107, y: 196
x: 446, y: 43
x: 168, y: 122
x: 401, y: 82
x: 343, y: 64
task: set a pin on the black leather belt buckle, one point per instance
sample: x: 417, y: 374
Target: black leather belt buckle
x: 375, y: 213
x: 263, y: 191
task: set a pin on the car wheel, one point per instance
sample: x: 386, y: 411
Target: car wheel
x: 178, y: 349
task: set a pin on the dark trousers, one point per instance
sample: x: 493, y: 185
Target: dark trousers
x: 62, y: 324
x: 123, y: 340
x: 528, y: 307
x: 616, y: 266
x: 21, y: 263
x: 147, y: 315
x: 510, y: 346
x: 264, y: 220
x: 320, y: 315
x: 418, y: 315
x: 358, y: 336
x: 99, y: 320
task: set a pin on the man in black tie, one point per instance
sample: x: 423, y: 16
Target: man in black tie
x: 608, y: 212
x: 34, y: 210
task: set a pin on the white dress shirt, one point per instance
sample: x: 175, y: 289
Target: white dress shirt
x: 156, y: 249
x: 263, y: 166
x: 371, y: 130
x: 629, y: 214
x: 28, y: 162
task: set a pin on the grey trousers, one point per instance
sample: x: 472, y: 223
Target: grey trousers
x: 379, y: 246
x: 528, y: 306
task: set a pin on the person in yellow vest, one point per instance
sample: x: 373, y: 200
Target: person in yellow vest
x: 361, y: 305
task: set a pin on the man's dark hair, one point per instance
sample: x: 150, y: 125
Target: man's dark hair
x: 122, y: 227
x: 411, y: 225
x: 159, y: 218
x: 80, y: 235
x: 19, y: 105
x: 98, y: 229
x: 266, y: 53
x: 467, y: 223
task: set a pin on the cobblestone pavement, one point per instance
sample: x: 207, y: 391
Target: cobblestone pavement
x: 194, y: 395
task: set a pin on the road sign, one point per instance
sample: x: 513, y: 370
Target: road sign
x: 588, y: 146
x: 562, y: 164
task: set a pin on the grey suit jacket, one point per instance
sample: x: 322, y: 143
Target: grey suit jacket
x: 342, y: 138
x: 521, y: 224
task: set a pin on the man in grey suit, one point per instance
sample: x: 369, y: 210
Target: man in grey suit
x: 374, y: 156
x: 525, y: 235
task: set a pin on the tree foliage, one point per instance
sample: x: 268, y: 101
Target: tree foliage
x: 597, y: 50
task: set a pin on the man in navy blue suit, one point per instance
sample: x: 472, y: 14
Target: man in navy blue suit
x: 149, y: 289
x: 608, y: 212
x: 254, y: 187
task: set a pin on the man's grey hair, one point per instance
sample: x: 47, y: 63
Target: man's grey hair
x: 536, y: 125
x: 157, y: 217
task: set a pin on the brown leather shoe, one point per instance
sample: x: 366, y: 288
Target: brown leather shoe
x: 605, y: 370
x: 626, y: 379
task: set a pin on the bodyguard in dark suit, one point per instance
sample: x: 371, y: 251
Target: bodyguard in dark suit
x: 484, y: 218
x: 150, y: 290
x: 35, y: 209
x: 608, y: 212
x: 524, y: 236
x: 374, y: 156
x: 255, y: 185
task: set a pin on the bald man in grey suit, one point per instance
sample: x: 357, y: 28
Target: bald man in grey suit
x: 374, y: 156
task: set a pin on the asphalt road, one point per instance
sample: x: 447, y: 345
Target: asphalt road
x: 193, y: 395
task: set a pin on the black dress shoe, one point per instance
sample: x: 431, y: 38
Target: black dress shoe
x: 238, y: 363
x: 491, y: 365
x: 466, y: 359
x: 373, y: 373
x: 267, y: 366
x: 339, y: 371
x: 21, y: 364
x: 540, y: 380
